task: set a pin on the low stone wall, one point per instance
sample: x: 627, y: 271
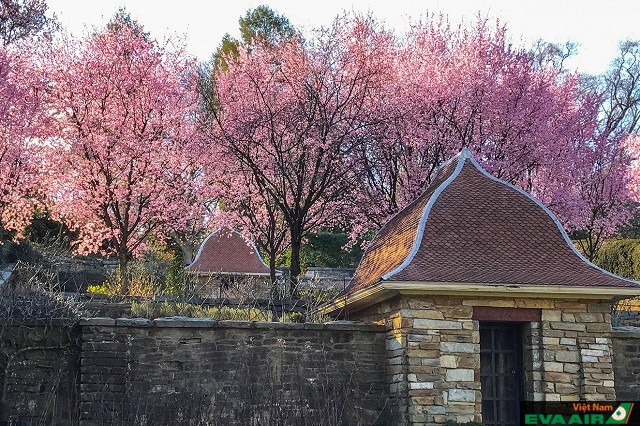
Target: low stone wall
x: 176, y: 370
x: 626, y: 365
x: 194, y: 371
x: 38, y: 365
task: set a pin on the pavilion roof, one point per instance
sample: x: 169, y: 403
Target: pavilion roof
x: 471, y: 228
x: 226, y: 251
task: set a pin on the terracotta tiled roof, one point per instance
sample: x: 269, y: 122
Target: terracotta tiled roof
x: 470, y: 227
x: 227, y: 251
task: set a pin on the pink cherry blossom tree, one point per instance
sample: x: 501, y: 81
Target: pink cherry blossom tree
x: 468, y: 87
x: 126, y: 148
x: 22, y: 123
x: 293, y: 115
x: 258, y: 216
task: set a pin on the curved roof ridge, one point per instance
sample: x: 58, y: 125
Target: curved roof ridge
x: 398, y: 216
x: 460, y: 158
x: 553, y: 217
x: 249, y: 243
x: 204, y: 243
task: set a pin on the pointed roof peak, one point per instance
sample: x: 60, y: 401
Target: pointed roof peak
x: 226, y: 251
x: 468, y: 227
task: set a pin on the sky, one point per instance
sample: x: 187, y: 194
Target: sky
x: 597, y: 26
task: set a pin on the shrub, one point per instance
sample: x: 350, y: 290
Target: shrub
x: 154, y: 310
x: 620, y: 256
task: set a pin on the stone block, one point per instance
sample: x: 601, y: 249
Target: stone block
x: 458, y: 312
x: 534, y: 303
x: 567, y: 356
x: 603, y: 308
x: 568, y: 326
x: 571, y: 368
x: 469, y: 361
x: 461, y: 395
x: 436, y: 324
x: 454, y: 347
x: 133, y: 322
x: 599, y: 328
x: 550, y: 341
x: 569, y: 398
x: 394, y: 344
x: 561, y: 304
x: 422, y: 313
x: 421, y: 385
x: 448, y: 361
x: 592, y: 352
x: 557, y: 377
x: 600, y: 347
x: 554, y: 367
x: 551, y: 315
x: 459, y: 375
x: 98, y: 321
x: 590, y: 317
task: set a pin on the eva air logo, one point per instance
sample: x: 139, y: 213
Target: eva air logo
x: 621, y: 414
x: 582, y: 413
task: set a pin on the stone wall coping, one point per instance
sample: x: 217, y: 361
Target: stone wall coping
x: 38, y: 322
x: 188, y: 322
x: 626, y: 331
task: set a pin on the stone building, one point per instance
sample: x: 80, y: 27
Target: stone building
x: 486, y: 303
x: 229, y: 265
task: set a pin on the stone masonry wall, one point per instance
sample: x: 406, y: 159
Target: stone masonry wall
x: 626, y: 357
x: 421, y: 367
x: 175, y: 370
x: 38, y: 365
x: 433, y: 354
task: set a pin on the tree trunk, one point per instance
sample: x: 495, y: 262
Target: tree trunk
x: 187, y: 253
x: 294, y: 272
x: 272, y: 275
x: 123, y: 272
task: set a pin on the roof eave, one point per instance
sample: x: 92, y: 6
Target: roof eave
x: 225, y: 273
x: 356, y: 300
x: 366, y: 297
x: 540, y: 291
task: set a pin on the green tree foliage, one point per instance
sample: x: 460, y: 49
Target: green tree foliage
x: 325, y: 249
x: 620, y: 256
x: 261, y: 25
x: 228, y: 48
x: 123, y: 19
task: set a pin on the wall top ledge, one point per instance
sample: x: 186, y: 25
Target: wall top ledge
x: 187, y: 322
x: 626, y: 331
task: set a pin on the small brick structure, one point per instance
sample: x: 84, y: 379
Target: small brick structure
x: 229, y: 265
x: 486, y: 302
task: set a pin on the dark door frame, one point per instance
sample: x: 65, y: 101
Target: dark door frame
x: 503, y: 343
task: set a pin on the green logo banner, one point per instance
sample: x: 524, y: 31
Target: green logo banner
x: 580, y: 413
